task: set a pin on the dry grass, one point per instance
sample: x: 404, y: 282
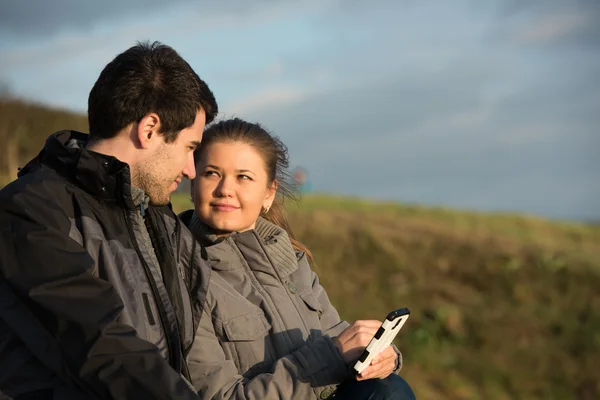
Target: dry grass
x: 503, y: 306
x: 28, y: 125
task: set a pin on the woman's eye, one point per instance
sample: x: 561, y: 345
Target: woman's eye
x: 210, y: 173
x: 244, y: 177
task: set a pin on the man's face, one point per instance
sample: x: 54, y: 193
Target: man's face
x: 160, y: 174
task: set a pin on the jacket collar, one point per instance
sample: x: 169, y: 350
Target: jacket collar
x: 266, y: 235
x: 103, y: 176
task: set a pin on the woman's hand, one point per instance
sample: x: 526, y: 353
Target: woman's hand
x: 381, y: 366
x: 355, y: 338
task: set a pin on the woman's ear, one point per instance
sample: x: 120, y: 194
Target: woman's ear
x: 271, y: 193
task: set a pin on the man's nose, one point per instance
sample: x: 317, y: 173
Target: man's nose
x: 190, y: 168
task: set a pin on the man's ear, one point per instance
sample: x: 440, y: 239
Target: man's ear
x: 147, y: 130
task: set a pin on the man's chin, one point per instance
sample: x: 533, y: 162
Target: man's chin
x: 160, y: 201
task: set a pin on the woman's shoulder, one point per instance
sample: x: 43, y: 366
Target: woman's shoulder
x: 186, y: 216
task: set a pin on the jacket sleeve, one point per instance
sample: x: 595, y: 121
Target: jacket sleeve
x: 303, y: 374
x: 51, y: 276
x: 330, y: 319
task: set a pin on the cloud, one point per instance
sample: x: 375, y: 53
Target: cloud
x: 97, y: 47
x: 486, y: 105
x: 42, y: 18
x: 551, y: 27
x: 552, y: 22
x: 269, y: 98
x: 232, y: 47
x: 464, y: 137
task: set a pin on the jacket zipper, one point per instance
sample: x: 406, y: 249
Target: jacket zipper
x: 162, y: 314
x: 184, y: 367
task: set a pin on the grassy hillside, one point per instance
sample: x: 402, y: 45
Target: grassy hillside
x: 503, y: 306
x: 24, y: 128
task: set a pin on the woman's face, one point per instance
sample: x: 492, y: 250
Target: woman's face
x: 231, y: 186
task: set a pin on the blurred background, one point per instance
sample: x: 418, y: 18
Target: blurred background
x: 448, y: 152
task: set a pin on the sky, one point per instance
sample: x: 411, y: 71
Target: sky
x: 490, y: 106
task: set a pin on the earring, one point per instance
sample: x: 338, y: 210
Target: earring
x: 265, y: 210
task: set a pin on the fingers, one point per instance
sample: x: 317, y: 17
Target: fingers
x: 360, y: 331
x: 380, y: 371
x: 369, y: 323
x: 364, y: 329
x: 353, y: 340
x: 386, y: 354
x: 361, y: 337
x: 381, y: 366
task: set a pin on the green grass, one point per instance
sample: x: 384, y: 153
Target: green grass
x: 503, y: 306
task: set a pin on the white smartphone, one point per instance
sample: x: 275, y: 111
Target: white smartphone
x: 383, y: 337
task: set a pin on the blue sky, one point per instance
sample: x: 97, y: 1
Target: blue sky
x: 484, y: 105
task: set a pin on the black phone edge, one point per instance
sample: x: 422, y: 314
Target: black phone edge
x: 397, y: 313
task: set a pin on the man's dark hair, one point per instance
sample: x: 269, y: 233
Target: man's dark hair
x: 146, y: 78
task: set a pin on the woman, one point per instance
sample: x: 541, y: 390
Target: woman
x: 268, y: 330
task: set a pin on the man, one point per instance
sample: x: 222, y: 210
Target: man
x: 100, y: 285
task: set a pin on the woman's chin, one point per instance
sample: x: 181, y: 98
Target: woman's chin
x: 227, y: 226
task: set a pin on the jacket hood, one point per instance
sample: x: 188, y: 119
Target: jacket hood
x: 101, y: 175
x: 273, y: 239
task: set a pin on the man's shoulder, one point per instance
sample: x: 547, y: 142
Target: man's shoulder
x: 43, y: 187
